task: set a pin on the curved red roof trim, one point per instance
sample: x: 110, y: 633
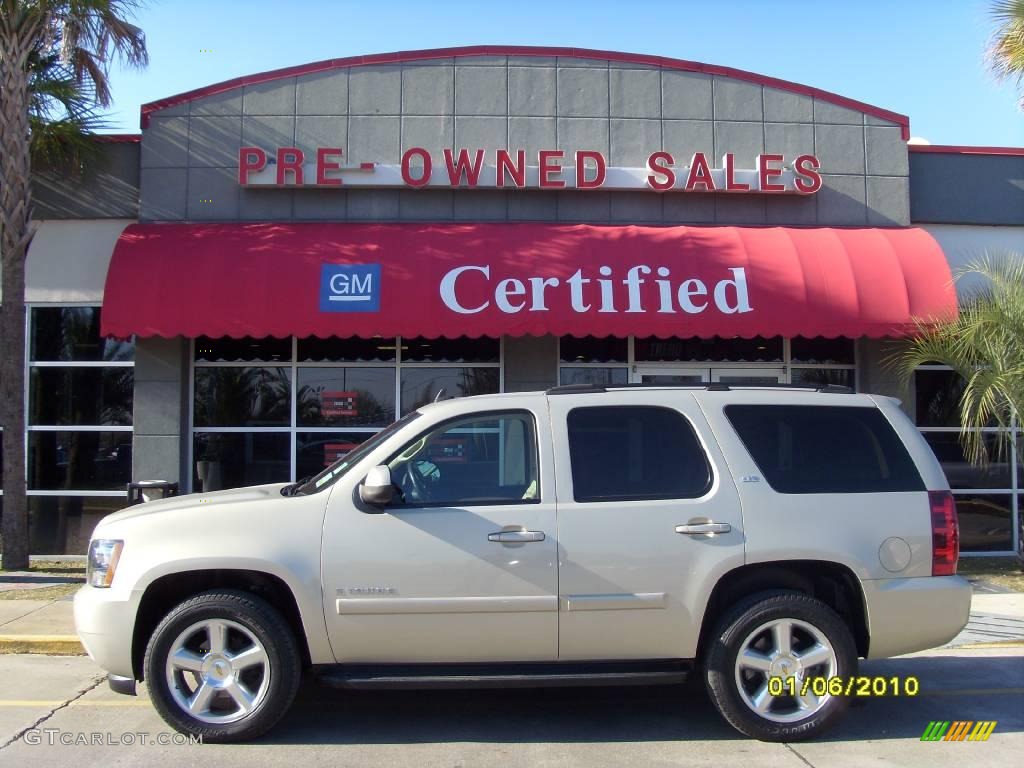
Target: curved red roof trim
x: 400, y: 57
x: 956, y: 149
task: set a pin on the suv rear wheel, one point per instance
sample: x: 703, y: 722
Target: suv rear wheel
x: 771, y: 657
x: 222, y: 665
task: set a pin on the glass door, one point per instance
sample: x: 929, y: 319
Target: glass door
x: 748, y: 375
x: 670, y: 376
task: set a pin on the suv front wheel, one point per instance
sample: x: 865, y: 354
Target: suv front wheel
x: 769, y: 662
x: 222, y: 665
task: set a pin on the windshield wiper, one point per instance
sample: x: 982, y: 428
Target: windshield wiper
x: 293, y: 488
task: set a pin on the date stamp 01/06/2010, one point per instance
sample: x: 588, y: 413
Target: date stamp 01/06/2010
x: 859, y: 685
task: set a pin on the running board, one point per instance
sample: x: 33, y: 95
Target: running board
x: 539, y: 675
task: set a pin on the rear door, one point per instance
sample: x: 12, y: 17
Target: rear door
x: 648, y: 520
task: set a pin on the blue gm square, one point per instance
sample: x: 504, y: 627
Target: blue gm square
x: 350, y: 288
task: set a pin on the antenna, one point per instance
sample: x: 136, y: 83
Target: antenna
x: 441, y: 394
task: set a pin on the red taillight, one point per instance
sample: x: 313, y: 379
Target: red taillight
x: 945, y: 533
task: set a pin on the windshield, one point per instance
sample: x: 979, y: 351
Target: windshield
x: 350, y: 459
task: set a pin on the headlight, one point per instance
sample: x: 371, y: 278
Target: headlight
x: 103, y: 557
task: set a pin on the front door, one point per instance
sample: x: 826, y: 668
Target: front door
x: 462, y: 567
x: 640, y: 479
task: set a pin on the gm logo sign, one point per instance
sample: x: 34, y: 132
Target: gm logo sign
x: 350, y: 288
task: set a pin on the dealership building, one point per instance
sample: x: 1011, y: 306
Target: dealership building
x: 278, y: 266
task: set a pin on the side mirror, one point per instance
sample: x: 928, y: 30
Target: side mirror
x: 377, y: 490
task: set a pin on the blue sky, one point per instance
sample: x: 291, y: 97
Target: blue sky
x: 922, y: 59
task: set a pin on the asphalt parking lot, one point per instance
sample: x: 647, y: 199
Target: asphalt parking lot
x: 49, y: 700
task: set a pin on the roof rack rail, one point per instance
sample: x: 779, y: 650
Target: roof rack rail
x: 710, y: 386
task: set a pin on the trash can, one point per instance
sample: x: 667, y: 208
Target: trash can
x: 150, y: 490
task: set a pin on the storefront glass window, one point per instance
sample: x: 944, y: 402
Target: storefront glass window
x: 422, y: 385
x: 820, y: 377
x: 596, y: 375
x: 362, y: 397
x: 247, y: 349
x: 282, y: 421
x: 717, y: 349
x: 80, y: 407
x: 988, y: 497
x: 592, y: 349
x: 353, y: 350
x: 72, y: 334
x: 821, y: 350
x: 242, y: 397
x: 234, y: 459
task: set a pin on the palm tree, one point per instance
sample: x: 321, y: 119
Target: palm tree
x: 1006, y: 50
x: 984, y: 344
x: 55, y: 57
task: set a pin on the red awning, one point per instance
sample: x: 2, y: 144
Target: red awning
x: 494, y: 279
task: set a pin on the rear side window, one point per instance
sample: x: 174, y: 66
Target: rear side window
x: 631, y: 453
x: 825, y: 449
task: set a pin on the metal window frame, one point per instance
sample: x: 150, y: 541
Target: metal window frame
x: 1014, y: 492
x: 29, y: 365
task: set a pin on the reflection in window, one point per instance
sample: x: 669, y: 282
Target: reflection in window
x: 350, y: 350
x: 421, y: 385
x: 601, y: 377
x: 247, y: 349
x: 72, y: 334
x: 592, y: 349
x: 362, y: 397
x: 235, y: 459
x: 984, y: 523
x: 460, y: 350
x: 315, y: 451
x: 937, y: 397
x: 242, y: 397
x: 81, y: 461
x: 716, y: 349
x: 821, y: 377
x: 81, y: 396
x: 960, y: 472
x: 821, y: 351
x: 61, y: 525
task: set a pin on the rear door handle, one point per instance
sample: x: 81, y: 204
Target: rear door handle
x: 516, y: 537
x: 695, y: 529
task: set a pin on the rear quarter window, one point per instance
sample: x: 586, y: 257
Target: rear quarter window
x: 825, y: 449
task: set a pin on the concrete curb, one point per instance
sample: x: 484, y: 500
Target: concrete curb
x: 51, y: 645
x: 993, y: 644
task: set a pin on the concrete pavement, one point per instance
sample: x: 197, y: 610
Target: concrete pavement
x: 566, y: 728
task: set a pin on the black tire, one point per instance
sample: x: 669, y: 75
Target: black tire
x: 725, y: 644
x: 283, y: 664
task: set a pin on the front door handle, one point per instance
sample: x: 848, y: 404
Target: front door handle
x: 516, y: 537
x: 696, y: 529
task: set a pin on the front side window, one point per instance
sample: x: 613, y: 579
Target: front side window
x: 825, y: 449
x: 631, y: 453
x: 482, y: 459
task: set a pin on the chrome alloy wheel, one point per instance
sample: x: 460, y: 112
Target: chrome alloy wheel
x: 217, y: 671
x: 787, y: 649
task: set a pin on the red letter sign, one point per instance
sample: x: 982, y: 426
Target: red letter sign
x: 517, y: 171
x: 457, y: 169
x: 731, y: 185
x: 581, y: 170
x: 250, y: 159
x: 765, y: 173
x: 808, y: 180
x: 700, y: 173
x: 407, y: 177
x: 657, y: 170
x: 289, y: 159
x: 547, y: 168
x: 323, y: 165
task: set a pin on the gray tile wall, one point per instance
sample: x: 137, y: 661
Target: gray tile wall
x: 160, y: 408
x: 189, y: 152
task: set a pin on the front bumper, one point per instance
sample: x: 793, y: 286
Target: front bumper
x: 105, y: 622
x: 906, y: 615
